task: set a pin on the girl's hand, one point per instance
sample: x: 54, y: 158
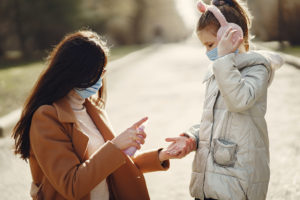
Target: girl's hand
x: 180, y: 147
x: 130, y: 137
x: 164, y: 155
x: 227, y: 44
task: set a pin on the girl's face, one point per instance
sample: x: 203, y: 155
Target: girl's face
x: 208, y: 37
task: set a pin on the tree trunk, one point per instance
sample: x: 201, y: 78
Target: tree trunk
x: 19, y: 29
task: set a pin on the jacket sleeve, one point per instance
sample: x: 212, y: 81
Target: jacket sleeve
x: 193, y: 132
x: 54, y: 153
x: 149, y: 162
x: 240, y: 92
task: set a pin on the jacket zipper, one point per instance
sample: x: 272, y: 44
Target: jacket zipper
x: 211, y: 136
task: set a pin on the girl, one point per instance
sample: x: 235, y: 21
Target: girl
x: 65, y: 134
x: 232, y: 151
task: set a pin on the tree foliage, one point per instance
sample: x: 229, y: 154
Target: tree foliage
x: 32, y: 25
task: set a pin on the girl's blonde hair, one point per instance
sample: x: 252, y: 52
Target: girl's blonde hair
x: 234, y: 12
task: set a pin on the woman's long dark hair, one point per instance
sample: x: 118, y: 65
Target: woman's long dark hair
x: 76, y: 62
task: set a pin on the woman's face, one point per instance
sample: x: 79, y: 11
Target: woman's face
x: 208, y: 37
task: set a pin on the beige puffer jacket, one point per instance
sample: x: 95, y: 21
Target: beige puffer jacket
x: 232, y: 158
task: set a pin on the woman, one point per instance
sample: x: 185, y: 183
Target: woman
x: 65, y: 134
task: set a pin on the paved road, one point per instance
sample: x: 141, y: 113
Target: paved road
x: 165, y: 83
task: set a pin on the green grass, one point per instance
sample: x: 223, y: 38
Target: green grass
x: 276, y: 46
x: 16, y: 81
x: 293, y: 50
x: 15, y: 84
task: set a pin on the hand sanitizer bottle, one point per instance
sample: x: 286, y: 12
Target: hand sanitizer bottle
x: 131, y: 150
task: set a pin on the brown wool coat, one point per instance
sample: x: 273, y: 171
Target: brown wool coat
x: 58, y: 151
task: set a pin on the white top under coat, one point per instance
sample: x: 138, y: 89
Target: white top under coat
x: 96, y: 140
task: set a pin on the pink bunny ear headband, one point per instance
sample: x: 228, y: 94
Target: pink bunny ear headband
x: 202, y: 7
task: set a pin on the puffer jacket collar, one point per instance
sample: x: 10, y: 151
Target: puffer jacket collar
x: 270, y: 60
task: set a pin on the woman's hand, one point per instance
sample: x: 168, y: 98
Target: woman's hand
x: 180, y: 147
x: 228, y: 44
x: 133, y: 136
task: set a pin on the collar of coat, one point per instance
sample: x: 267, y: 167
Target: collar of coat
x: 65, y: 114
x: 80, y: 140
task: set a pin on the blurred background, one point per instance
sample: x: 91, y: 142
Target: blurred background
x: 28, y: 28
x: 153, y: 44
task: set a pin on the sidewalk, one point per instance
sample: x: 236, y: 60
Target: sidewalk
x: 165, y: 84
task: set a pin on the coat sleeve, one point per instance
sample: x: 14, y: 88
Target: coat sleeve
x: 149, y: 162
x: 240, y: 92
x: 54, y: 153
x: 146, y: 161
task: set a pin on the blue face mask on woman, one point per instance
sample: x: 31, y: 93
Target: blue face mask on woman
x: 87, y: 92
x: 213, y: 54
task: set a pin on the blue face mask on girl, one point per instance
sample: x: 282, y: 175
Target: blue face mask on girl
x: 213, y: 54
x: 87, y: 92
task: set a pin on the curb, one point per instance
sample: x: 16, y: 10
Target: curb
x: 7, y: 122
x: 132, y: 57
x: 289, y: 59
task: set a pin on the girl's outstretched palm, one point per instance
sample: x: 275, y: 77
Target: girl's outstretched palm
x: 180, y: 147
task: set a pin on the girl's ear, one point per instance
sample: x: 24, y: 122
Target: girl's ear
x: 201, y: 7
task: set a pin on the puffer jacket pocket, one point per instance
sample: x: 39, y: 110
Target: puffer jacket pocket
x: 224, y: 152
